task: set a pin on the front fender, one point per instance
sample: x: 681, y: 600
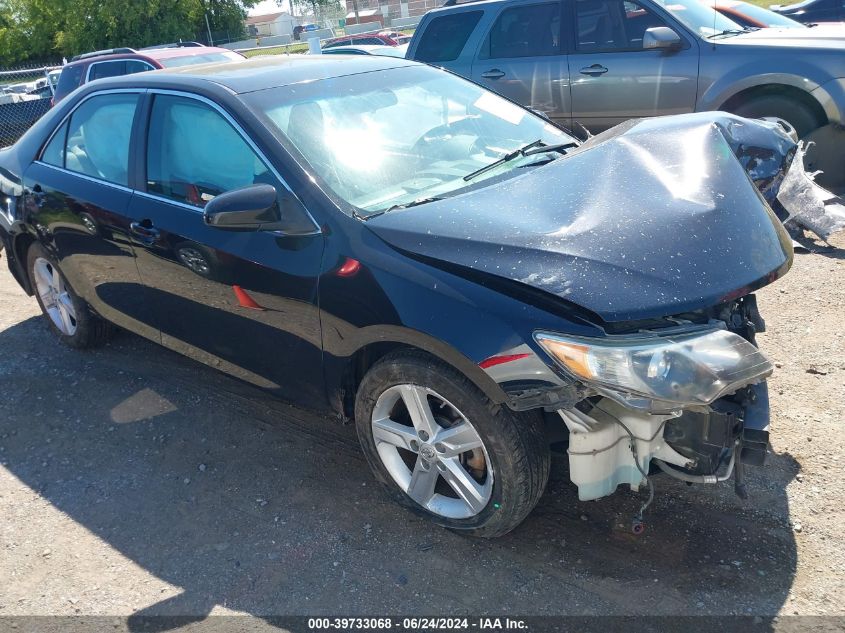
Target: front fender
x: 743, y: 78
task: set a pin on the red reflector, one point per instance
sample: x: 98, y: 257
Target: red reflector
x: 349, y: 268
x: 499, y: 360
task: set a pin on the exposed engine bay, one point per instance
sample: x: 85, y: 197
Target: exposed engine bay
x: 611, y: 444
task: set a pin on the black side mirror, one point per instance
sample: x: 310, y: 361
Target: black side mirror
x: 251, y: 208
x: 662, y: 37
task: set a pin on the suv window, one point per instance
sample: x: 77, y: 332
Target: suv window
x: 444, y: 37
x: 194, y: 153
x: 69, y: 79
x: 526, y: 31
x: 98, y: 137
x: 612, y: 25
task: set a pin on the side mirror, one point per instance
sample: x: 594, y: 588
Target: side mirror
x: 247, y: 209
x: 662, y: 37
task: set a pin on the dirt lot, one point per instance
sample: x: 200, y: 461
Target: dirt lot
x: 135, y: 480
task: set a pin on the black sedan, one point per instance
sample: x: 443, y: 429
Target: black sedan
x: 388, y: 242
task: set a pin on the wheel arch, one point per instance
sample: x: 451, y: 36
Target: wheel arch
x: 20, y: 246
x: 789, y: 91
x: 344, y: 379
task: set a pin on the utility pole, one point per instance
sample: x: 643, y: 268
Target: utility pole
x: 355, y: 9
x: 207, y: 26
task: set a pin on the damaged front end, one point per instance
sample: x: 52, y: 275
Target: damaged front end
x: 690, y: 401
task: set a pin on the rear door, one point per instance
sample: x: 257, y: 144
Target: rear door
x: 614, y: 78
x: 522, y: 58
x: 243, y: 302
x: 80, y: 194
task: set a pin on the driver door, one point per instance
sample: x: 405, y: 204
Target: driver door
x: 241, y: 301
x: 614, y: 78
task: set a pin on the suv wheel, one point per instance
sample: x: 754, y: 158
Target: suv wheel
x: 67, y: 315
x: 444, y: 450
x: 794, y: 112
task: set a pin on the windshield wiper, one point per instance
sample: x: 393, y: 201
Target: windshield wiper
x: 504, y: 159
x: 537, y: 147
x: 407, y: 205
x: 731, y: 32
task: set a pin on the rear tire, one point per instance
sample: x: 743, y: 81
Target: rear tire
x: 67, y: 315
x: 483, y: 484
x: 798, y: 115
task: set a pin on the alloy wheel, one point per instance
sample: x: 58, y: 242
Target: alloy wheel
x: 54, y: 296
x: 432, y: 451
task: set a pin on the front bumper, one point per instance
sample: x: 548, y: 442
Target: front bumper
x: 611, y: 445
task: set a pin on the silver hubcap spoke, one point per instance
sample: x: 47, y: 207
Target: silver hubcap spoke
x: 54, y: 296
x: 458, y: 439
x: 423, y: 480
x: 416, y: 401
x: 386, y: 430
x: 423, y: 440
x: 461, y: 482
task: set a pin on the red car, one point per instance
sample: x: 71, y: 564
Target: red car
x: 126, y: 61
x: 379, y: 39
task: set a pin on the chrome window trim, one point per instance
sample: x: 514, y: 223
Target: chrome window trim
x: 66, y: 119
x: 113, y: 185
x: 242, y: 133
x: 116, y: 61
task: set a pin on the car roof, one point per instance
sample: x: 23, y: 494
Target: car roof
x: 151, y: 53
x: 260, y: 72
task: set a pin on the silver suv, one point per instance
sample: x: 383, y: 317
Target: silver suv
x: 601, y: 62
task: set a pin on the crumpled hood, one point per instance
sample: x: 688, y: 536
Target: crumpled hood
x: 652, y: 218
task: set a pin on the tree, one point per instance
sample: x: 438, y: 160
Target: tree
x: 49, y: 29
x: 315, y: 6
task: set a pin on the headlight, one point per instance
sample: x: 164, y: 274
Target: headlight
x: 684, y: 369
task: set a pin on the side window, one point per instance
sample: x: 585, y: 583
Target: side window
x: 69, y: 79
x: 194, y: 153
x: 526, y: 31
x: 107, y: 69
x: 444, y: 38
x: 136, y: 66
x: 612, y: 25
x: 98, y: 137
x: 54, y: 153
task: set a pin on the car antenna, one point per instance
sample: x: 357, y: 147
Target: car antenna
x: 714, y: 24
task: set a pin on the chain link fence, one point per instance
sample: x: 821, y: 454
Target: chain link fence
x: 25, y: 95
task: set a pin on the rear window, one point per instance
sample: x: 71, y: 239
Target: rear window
x: 204, y: 58
x: 444, y: 38
x: 69, y: 79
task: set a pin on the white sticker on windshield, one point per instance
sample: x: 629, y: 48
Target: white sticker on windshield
x: 500, y: 108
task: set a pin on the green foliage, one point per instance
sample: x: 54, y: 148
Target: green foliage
x: 50, y: 29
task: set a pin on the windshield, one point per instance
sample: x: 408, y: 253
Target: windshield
x: 699, y: 17
x: 395, y: 137
x: 764, y: 16
x: 204, y: 58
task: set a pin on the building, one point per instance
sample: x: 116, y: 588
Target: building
x: 390, y: 9
x: 281, y: 23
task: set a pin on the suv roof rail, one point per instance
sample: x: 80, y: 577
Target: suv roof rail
x: 452, y: 3
x: 179, y: 44
x: 108, y: 51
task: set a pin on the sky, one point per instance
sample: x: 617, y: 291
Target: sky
x: 269, y: 6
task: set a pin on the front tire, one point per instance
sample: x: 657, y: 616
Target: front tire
x: 798, y: 115
x: 67, y: 315
x: 444, y: 450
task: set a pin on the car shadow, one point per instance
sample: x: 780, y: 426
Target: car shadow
x: 247, y: 503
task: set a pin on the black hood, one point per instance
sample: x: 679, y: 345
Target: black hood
x: 653, y: 218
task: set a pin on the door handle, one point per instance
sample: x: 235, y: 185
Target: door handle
x: 145, y: 230
x: 495, y: 73
x: 594, y: 71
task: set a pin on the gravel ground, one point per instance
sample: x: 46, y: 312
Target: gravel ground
x: 134, y: 480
